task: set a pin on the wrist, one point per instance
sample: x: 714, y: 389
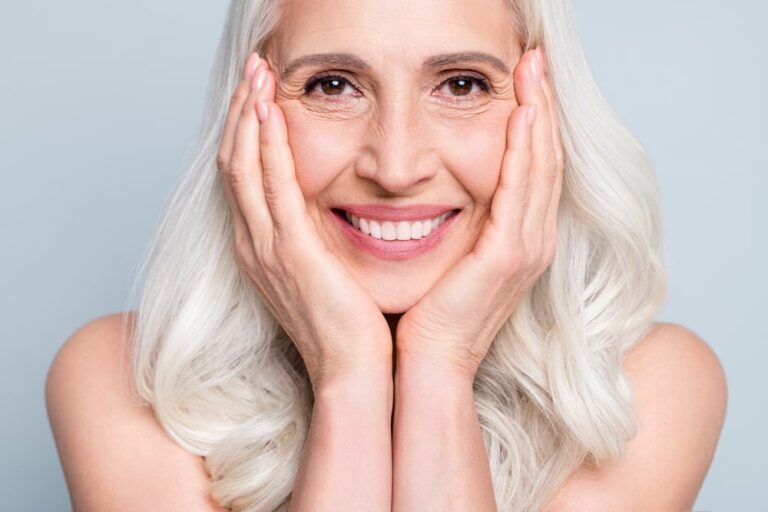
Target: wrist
x: 362, y: 388
x: 431, y: 371
x: 432, y: 386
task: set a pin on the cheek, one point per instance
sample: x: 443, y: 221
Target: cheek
x: 321, y: 150
x: 473, y: 150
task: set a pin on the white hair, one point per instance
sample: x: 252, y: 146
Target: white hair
x: 227, y: 383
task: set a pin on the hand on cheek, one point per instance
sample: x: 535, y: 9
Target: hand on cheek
x: 335, y: 325
x: 452, y: 327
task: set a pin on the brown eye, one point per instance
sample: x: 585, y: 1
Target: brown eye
x: 332, y: 86
x: 460, y: 86
x: 329, y: 85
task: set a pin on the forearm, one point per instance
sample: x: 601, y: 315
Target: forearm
x: 346, y: 462
x: 439, y: 457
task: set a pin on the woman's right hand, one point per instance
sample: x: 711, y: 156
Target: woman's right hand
x: 336, y: 326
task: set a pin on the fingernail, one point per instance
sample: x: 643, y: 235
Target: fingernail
x: 261, y: 110
x: 258, y: 80
x: 542, y: 59
x: 250, y: 66
x: 531, y: 115
x: 535, y: 68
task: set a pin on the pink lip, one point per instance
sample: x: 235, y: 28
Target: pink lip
x: 384, y: 212
x: 395, y: 249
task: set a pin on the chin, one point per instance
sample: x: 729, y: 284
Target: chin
x: 393, y: 297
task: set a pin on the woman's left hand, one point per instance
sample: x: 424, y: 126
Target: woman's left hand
x: 453, y: 325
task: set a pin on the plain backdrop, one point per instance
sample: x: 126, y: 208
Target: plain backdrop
x: 100, y: 102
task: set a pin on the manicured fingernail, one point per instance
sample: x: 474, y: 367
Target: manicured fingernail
x: 258, y: 80
x: 261, y: 110
x: 250, y: 66
x: 531, y: 115
x: 535, y: 68
x: 542, y: 58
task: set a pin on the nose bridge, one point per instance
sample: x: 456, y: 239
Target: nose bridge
x: 399, y: 144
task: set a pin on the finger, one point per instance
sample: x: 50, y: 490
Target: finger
x: 284, y: 197
x: 553, y: 112
x: 245, y: 173
x: 511, y: 196
x: 233, y: 115
x: 240, y: 227
x: 550, y: 221
x: 243, y: 241
x: 543, y: 169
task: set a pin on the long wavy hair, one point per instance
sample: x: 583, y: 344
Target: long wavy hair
x: 227, y: 383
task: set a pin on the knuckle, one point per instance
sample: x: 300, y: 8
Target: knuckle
x: 242, y: 246
x: 222, y: 162
x: 510, y: 263
x: 246, y: 110
x: 271, y: 189
x: 529, y: 257
x: 235, y: 173
x: 237, y: 97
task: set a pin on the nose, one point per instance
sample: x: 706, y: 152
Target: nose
x: 399, y: 156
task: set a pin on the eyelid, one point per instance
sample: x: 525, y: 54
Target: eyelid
x: 483, y: 82
x: 327, y: 75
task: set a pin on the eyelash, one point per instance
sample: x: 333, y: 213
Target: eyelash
x: 482, y: 82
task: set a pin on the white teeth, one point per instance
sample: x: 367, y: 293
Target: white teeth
x: 396, y: 230
x: 375, y: 229
x: 388, y: 231
x: 404, y: 230
x: 416, y: 230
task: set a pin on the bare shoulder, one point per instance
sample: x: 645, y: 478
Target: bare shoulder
x: 114, y: 454
x: 680, y: 394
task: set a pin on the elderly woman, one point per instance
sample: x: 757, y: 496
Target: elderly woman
x: 414, y: 266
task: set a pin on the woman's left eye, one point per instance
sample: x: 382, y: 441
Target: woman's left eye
x: 458, y: 86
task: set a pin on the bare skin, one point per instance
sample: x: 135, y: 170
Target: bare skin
x: 98, y: 424
x: 412, y: 440
x: 439, y: 341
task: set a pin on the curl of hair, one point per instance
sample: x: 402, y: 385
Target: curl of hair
x: 227, y: 384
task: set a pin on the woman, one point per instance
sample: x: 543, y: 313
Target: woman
x: 423, y: 277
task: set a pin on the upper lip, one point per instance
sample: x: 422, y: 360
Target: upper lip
x: 386, y: 212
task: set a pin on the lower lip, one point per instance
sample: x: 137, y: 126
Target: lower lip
x: 395, y: 249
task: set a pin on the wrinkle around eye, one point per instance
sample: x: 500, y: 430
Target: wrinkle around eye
x: 462, y: 112
x: 339, y: 112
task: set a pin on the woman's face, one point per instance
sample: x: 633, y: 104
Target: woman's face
x: 400, y: 121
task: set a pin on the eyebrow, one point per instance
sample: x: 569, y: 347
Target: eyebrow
x: 353, y: 61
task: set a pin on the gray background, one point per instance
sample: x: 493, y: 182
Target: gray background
x: 100, y: 102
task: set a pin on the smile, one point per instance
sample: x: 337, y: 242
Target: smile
x: 396, y: 230
x: 385, y: 233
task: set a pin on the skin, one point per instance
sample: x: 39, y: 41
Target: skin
x: 391, y: 348
x: 288, y: 155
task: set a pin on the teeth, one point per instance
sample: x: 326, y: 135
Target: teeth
x: 375, y: 229
x: 388, y: 231
x: 404, y: 230
x: 396, y: 230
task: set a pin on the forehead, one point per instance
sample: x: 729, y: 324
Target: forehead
x: 384, y: 31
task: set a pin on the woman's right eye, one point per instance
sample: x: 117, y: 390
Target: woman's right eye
x: 329, y: 85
